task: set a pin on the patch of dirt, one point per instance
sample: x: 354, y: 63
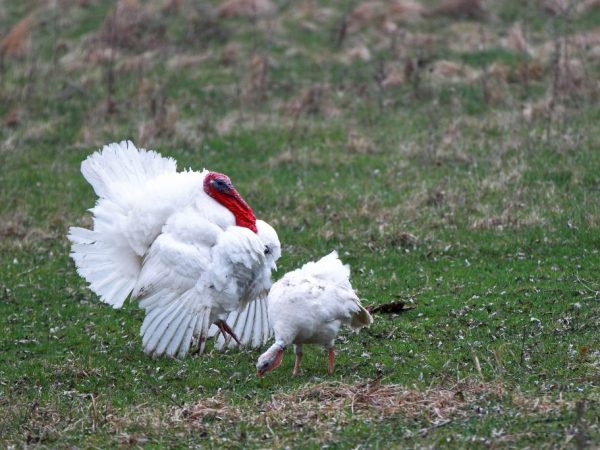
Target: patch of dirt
x: 131, y: 25
x: 13, y: 226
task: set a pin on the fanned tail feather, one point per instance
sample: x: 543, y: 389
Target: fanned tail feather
x: 119, y: 164
x: 110, y: 267
x: 361, y: 318
x: 103, y: 256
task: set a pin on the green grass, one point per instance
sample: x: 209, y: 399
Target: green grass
x: 505, y: 210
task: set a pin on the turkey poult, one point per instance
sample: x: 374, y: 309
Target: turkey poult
x: 185, y: 244
x: 308, y: 306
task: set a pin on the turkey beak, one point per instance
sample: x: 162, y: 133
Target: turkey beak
x: 274, y: 266
x: 259, y: 374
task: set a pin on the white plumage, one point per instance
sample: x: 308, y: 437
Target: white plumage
x: 308, y: 306
x: 182, y: 243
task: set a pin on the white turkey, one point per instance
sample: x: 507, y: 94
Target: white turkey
x: 308, y: 306
x: 185, y: 244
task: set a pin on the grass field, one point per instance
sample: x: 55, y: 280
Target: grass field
x: 449, y: 153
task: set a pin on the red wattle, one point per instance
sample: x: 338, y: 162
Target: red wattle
x: 233, y: 201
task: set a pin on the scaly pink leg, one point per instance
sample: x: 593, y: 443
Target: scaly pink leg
x: 331, y: 359
x: 298, y: 361
x: 226, y: 330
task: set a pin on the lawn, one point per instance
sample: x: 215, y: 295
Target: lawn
x: 449, y: 150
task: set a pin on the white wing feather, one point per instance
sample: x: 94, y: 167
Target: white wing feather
x: 187, y: 276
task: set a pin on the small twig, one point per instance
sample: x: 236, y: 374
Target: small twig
x: 390, y: 308
x: 523, y: 344
x: 423, y: 432
x: 485, y: 75
x: 342, y: 30
x: 379, y: 77
x: 28, y: 271
x: 581, y: 281
x: 477, y: 365
x: 110, y: 75
x: 498, y: 362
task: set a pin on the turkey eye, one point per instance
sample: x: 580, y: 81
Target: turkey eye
x: 267, y: 250
x: 220, y: 185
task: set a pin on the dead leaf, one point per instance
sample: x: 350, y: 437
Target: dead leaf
x: 183, y: 61
x: 530, y: 70
x: 390, y: 308
x: 396, y: 77
x: 246, y: 8
x: 360, y: 52
x: 137, y: 62
x: 516, y: 39
x: 359, y: 144
x: 451, y: 72
x: 587, y: 6
x: 230, y: 54
x: 130, y: 25
x: 258, y: 76
x: 460, y: 9
x: 366, y: 13
x: 14, y: 42
x: 555, y: 7
x: 499, y: 71
x: 310, y: 101
x: 405, y: 10
x: 13, y: 117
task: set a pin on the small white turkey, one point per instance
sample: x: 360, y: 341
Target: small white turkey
x: 185, y: 244
x: 308, y: 306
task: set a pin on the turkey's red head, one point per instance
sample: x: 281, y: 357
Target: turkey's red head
x: 219, y: 187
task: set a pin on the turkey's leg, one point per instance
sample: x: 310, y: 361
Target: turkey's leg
x: 226, y: 330
x: 199, y: 346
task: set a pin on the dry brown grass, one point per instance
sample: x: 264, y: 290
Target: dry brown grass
x: 130, y: 25
x: 357, y: 143
x: 586, y: 6
x: 460, y: 9
x: 321, y: 408
x: 318, y: 406
x: 246, y: 8
x: 13, y: 225
x: 15, y: 41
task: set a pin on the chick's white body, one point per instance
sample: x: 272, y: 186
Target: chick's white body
x: 158, y: 237
x: 309, y: 308
x: 310, y: 304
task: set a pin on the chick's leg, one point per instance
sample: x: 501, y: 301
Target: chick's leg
x: 298, y: 351
x: 331, y: 360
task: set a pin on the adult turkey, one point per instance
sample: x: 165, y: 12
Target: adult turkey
x: 185, y: 244
x: 308, y: 306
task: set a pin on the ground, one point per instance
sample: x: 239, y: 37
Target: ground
x: 449, y: 150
